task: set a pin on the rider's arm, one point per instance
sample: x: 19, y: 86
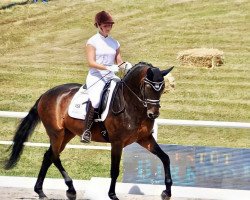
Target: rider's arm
x: 90, y: 51
x: 118, y: 57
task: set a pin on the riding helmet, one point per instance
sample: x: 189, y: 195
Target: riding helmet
x: 103, y: 17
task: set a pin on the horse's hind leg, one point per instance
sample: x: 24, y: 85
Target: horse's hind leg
x: 52, y: 156
x: 57, y: 149
x: 151, y: 145
x: 71, y: 192
x: 41, y: 176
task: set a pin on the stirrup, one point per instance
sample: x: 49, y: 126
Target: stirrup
x: 86, y: 136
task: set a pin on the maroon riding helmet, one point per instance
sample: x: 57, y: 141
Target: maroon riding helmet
x: 103, y: 17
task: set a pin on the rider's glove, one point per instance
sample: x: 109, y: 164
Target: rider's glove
x: 113, y: 68
x: 127, y: 66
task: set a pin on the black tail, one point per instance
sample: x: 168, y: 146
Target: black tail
x: 23, y: 132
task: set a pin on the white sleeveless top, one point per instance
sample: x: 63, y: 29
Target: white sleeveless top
x: 106, y: 48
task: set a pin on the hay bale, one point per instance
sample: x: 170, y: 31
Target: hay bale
x: 201, y: 57
x: 169, y: 83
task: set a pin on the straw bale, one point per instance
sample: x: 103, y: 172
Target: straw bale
x: 201, y: 57
x: 169, y: 83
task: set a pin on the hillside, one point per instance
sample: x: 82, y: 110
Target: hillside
x: 42, y: 45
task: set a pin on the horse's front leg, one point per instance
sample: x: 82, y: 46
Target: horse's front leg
x: 116, y: 152
x: 151, y: 145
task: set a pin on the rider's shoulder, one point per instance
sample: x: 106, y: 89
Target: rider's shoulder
x: 92, y: 40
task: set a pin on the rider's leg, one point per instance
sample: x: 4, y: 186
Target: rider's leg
x: 89, y: 119
x: 95, y: 84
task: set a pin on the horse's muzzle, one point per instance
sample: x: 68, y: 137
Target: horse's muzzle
x: 152, y: 115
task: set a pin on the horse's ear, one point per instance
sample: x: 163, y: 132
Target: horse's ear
x: 165, y: 72
x: 150, y: 74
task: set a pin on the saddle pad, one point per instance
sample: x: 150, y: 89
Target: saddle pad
x: 77, y: 107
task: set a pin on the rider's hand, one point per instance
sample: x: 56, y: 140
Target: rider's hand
x: 113, y: 68
x: 127, y: 66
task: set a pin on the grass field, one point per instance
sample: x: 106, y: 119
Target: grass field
x: 42, y: 45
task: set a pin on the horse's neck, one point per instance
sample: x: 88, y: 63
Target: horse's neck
x: 134, y: 108
x: 133, y: 103
x: 134, y: 78
x: 132, y: 92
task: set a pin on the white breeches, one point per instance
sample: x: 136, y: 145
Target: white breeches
x: 95, y: 84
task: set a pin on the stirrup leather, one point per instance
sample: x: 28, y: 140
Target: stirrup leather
x: 86, y: 136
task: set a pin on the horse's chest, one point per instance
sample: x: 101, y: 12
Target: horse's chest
x: 144, y: 130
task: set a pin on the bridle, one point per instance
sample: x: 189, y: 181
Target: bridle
x: 157, y: 86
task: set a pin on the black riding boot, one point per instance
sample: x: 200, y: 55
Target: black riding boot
x: 86, y: 136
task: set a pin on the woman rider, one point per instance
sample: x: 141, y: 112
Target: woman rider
x: 103, y: 57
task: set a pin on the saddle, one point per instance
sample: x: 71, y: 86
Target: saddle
x: 77, y: 107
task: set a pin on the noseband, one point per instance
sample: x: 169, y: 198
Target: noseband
x: 144, y: 100
x: 157, y: 86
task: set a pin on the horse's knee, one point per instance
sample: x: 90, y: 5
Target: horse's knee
x: 114, y: 174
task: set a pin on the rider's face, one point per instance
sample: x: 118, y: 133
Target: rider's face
x: 105, y: 29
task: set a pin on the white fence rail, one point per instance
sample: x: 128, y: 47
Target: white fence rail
x: 172, y: 122
x: 13, y: 114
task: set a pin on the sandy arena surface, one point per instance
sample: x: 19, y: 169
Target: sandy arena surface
x: 11, y: 193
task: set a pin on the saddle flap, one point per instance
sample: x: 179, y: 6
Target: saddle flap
x: 77, y: 107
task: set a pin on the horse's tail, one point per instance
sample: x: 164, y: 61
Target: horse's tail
x: 23, y: 132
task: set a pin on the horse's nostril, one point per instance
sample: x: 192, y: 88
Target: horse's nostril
x: 152, y: 115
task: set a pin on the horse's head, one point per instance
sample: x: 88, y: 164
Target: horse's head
x: 152, y: 87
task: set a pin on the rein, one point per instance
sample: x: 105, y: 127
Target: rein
x: 103, y: 77
x: 145, y: 101
x: 141, y: 100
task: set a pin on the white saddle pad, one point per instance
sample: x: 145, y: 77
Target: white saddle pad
x: 77, y: 107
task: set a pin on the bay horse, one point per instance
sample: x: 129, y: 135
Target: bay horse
x: 131, y: 116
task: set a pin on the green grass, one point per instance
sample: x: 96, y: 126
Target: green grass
x: 42, y: 45
x: 80, y: 164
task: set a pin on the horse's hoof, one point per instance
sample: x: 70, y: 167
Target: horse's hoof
x: 44, y: 198
x: 113, y: 197
x: 71, y: 195
x: 165, y: 195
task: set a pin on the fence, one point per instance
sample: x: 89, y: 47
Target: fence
x: 220, y: 124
